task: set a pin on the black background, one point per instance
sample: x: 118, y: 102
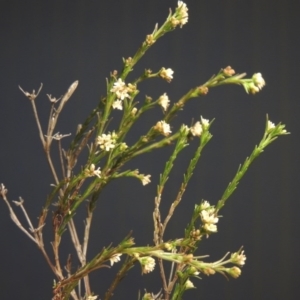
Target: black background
x: 58, y: 42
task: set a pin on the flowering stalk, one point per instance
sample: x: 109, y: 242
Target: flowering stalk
x: 270, y: 135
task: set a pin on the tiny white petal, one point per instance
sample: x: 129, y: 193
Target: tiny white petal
x: 115, y: 258
x: 270, y: 125
x: 196, y: 130
x: 117, y: 104
x: 164, y: 101
x: 146, y: 179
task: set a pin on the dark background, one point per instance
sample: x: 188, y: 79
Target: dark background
x: 58, y: 42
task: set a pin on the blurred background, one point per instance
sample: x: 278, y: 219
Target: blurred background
x: 58, y: 42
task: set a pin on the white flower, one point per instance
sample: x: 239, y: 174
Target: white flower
x: 188, y: 285
x: 182, y: 11
x: 107, y: 141
x: 145, y: 179
x: 210, y: 227
x: 258, y: 80
x: 120, y: 89
x: 196, y: 130
x: 148, y: 264
x: 163, y: 127
x: 166, y: 74
x: 208, y: 217
x: 164, y: 101
x: 238, y: 258
x: 270, y: 125
x: 205, y: 204
x: 204, y: 122
x: 92, y: 171
x: 117, y: 104
x: 115, y: 258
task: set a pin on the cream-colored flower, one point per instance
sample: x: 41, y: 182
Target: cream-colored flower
x: 115, y: 258
x: 270, y: 125
x: 107, y: 141
x: 205, y: 204
x: 208, y: 217
x: 182, y: 11
x: 163, y: 128
x: 148, y: 264
x: 228, y: 71
x: 117, y: 104
x: 238, y: 258
x: 166, y: 74
x: 258, y: 80
x: 120, y: 89
x: 164, y: 101
x: 210, y: 227
x: 189, y: 285
x: 145, y: 179
x: 92, y: 171
x: 196, y: 130
x: 204, y: 122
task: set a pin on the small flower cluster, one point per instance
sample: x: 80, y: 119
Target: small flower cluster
x: 208, y: 217
x: 163, y: 128
x: 228, y: 71
x: 255, y: 84
x: 107, y: 141
x: 92, y: 171
x: 166, y: 74
x: 115, y: 258
x: 198, y: 127
x: 121, y: 91
x: 275, y: 130
x: 164, y: 101
x: 238, y: 258
x: 147, y: 263
x: 181, y: 15
x: 145, y: 179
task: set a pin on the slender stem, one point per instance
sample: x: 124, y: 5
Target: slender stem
x: 55, y: 245
x: 163, y: 274
x: 80, y: 253
x: 16, y: 220
x: 49, y: 159
x: 36, y: 116
x: 20, y: 203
